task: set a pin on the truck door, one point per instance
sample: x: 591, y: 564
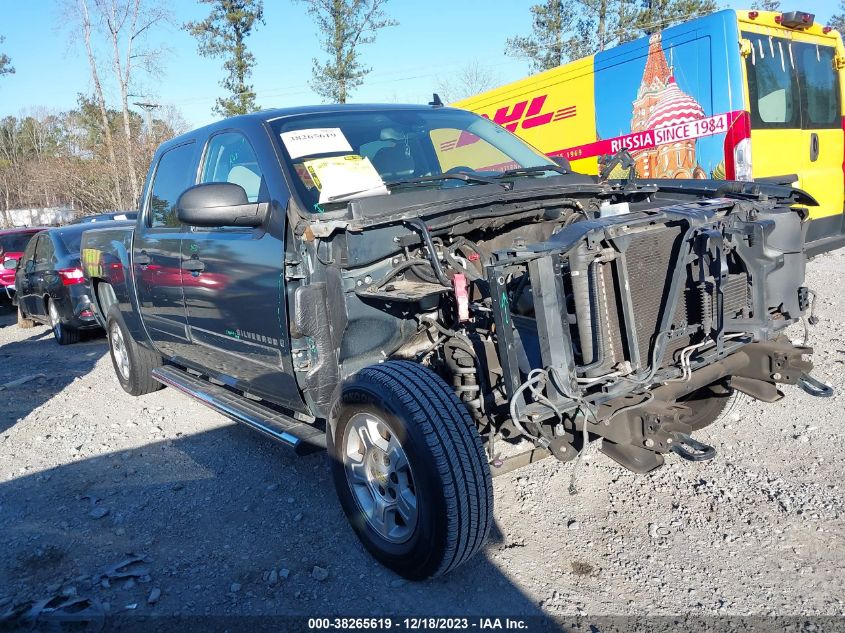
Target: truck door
x: 821, y: 125
x: 774, y: 99
x: 796, y: 121
x: 156, y: 255
x: 233, y: 282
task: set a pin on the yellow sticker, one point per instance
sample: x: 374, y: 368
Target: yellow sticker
x: 341, y: 176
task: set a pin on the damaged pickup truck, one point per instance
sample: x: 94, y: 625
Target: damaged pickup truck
x: 433, y: 300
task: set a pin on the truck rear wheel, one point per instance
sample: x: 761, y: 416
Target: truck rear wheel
x: 133, y: 364
x: 410, y: 469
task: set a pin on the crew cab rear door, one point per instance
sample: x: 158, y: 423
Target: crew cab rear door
x: 156, y: 256
x: 233, y: 277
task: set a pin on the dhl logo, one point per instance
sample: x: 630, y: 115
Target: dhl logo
x: 529, y: 114
x: 525, y: 114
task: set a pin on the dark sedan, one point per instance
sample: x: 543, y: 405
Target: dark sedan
x: 50, y: 286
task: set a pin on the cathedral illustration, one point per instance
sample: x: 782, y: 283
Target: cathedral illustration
x: 659, y: 103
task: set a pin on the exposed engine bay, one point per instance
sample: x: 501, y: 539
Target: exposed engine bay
x: 578, y: 312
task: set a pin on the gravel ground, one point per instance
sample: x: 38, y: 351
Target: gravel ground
x: 230, y: 523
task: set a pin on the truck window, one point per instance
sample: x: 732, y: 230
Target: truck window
x: 173, y: 175
x: 772, y: 83
x: 230, y: 158
x: 819, y: 85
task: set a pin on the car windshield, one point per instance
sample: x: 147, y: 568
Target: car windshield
x: 14, y: 242
x: 336, y: 156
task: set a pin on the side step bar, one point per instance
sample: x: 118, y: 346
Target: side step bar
x: 303, y: 438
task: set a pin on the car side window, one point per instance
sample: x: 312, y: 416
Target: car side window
x: 173, y: 175
x: 230, y: 158
x: 28, y: 263
x: 44, y: 254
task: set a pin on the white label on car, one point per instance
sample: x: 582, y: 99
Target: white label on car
x: 315, y: 141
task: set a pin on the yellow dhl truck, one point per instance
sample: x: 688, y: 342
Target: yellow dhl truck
x: 735, y: 95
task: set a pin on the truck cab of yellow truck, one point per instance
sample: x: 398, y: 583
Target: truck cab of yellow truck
x: 735, y: 95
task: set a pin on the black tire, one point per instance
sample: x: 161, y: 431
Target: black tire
x: 24, y: 322
x: 135, y: 372
x: 709, y: 405
x: 62, y: 332
x: 452, y: 485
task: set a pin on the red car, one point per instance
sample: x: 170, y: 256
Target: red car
x: 12, y: 244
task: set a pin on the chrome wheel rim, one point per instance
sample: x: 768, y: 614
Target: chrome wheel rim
x: 118, y: 348
x: 380, y: 477
x: 55, y: 319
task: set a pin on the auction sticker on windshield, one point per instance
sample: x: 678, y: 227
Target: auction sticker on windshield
x: 337, y: 176
x: 315, y: 141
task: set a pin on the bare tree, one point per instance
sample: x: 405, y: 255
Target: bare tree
x: 126, y: 23
x: 471, y: 79
x: 84, y: 20
x: 58, y: 158
x: 345, y: 26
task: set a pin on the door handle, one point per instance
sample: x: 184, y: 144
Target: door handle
x: 194, y: 265
x: 142, y: 259
x: 814, y: 147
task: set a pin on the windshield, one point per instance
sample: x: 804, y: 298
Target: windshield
x: 14, y: 242
x: 340, y: 154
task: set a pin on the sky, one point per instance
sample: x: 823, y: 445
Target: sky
x: 434, y: 38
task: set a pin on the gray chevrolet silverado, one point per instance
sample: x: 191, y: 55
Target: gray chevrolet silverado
x: 434, y: 301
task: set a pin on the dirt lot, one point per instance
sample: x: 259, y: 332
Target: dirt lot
x: 230, y: 523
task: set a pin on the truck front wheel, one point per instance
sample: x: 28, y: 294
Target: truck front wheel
x: 410, y: 469
x: 133, y: 364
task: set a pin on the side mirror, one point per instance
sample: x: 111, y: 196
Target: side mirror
x: 219, y: 204
x: 10, y: 264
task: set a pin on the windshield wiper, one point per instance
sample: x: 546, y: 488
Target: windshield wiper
x: 528, y: 171
x: 455, y: 176
x: 419, y: 181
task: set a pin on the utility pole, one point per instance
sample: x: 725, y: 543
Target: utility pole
x: 148, y: 108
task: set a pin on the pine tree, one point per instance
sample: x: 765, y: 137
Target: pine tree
x: 657, y: 15
x: 563, y: 30
x: 344, y: 26
x: 5, y: 62
x: 552, y: 42
x: 223, y: 34
x: 766, y: 5
x: 837, y: 20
